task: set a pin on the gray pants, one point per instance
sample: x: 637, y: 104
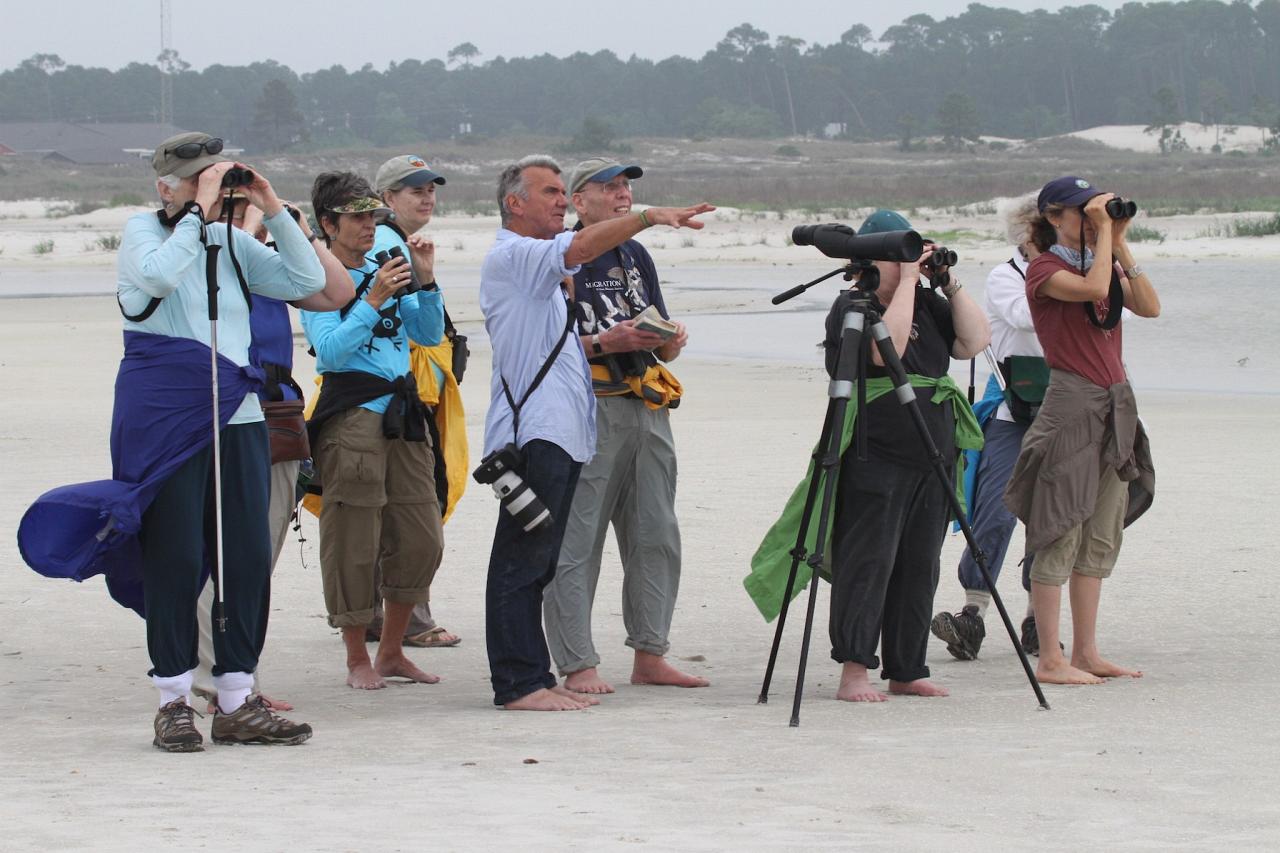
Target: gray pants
x: 631, y: 481
x: 284, y: 484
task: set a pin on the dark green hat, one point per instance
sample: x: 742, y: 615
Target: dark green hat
x: 884, y: 220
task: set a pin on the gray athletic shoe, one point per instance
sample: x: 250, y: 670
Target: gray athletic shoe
x: 176, y: 728
x: 963, y: 632
x: 254, y: 722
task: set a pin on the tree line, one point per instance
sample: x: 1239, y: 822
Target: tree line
x: 986, y: 70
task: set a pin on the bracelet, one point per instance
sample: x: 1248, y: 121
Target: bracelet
x: 950, y: 290
x: 644, y: 220
x: 596, y: 348
x: 431, y: 286
x: 312, y: 237
x: 1133, y: 272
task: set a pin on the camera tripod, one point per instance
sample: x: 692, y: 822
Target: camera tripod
x: 860, y: 318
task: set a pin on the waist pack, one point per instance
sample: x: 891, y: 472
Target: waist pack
x: 286, y: 430
x: 1025, y: 379
x: 657, y: 387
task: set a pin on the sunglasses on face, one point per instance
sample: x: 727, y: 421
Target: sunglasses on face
x: 192, y: 150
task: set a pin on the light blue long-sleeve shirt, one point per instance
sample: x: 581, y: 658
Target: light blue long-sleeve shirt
x: 384, y: 239
x: 373, y: 340
x: 156, y: 262
x: 525, y: 314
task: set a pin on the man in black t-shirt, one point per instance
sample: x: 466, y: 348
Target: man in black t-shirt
x: 631, y: 480
x: 891, y: 510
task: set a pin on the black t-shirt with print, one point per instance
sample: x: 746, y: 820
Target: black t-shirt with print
x: 614, y: 287
x: 891, y: 431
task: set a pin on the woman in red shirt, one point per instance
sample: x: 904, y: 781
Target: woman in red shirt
x: 1071, y: 485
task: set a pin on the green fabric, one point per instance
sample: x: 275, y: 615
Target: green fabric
x: 772, y: 561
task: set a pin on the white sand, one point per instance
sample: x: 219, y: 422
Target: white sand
x: 1199, y: 137
x: 1184, y: 758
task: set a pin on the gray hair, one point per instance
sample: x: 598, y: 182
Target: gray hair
x: 170, y: 181
x: 511, y: 181
x: 1020, y: 214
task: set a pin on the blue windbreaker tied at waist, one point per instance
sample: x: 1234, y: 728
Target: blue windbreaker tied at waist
x: 163, y: 411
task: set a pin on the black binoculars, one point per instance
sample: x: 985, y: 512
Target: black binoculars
x: 1121, y: 208
x: 237, y: 176
x: 941, y: 257
x: 386, y: 256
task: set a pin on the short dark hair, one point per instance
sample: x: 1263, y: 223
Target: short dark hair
x: 334, y: 189
x: 1041, y: 230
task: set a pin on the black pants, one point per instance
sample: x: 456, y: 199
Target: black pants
x: 889, y: 523
x: 520, y: 567
x: 177, y: 533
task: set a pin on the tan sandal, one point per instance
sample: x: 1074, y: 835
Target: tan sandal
x: 432, y: 638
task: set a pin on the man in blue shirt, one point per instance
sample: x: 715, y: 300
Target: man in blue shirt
x: 164, y: 294
x: 552, y: 423
x: 369, y: 438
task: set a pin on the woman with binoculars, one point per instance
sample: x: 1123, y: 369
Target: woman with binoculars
x: 1084, y: 471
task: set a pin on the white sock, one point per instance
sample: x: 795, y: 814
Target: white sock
x: 979, y: 597
x: 1031, y: 611
x: 233, y: 689
x: 173, y: 687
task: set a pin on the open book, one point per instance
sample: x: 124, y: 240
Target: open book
x: 650, y: 320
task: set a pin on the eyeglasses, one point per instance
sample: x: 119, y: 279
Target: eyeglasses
x: 192, y: 150
x: 615, y: 186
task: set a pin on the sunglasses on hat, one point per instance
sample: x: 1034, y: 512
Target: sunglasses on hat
x: 192, y: 150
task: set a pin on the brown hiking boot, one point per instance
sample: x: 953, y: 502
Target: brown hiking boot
x: 254, y: 722
x: 176, y: 728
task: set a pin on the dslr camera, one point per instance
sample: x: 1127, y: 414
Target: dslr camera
x: 498, y: 470
x: 387, y: 256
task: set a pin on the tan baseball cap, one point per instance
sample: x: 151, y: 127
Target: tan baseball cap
x: 407, y: 170
x: 599, y: 170
x: 187, y: 154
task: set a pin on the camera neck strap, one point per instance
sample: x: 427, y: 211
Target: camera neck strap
x: 1115, y: 294
x: 538, y: 377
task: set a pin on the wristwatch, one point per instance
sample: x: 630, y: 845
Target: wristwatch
x: 596, y: 348
x: 1133, y: 272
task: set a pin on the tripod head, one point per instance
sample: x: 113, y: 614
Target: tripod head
x: 866, y: 273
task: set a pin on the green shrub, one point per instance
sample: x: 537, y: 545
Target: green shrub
x: 1143, y: 234
x: 787, y: 151
x: 108, y: 242
x: 44, y: 247
x: 126, y: 200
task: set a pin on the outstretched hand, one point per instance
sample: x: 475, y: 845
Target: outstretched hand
x: 678, y: 217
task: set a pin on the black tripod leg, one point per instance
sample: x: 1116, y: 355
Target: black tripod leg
x: 907, y: 396
x: 798, y: 553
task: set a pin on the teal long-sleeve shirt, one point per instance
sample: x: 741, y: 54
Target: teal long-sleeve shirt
x: 373, y: 340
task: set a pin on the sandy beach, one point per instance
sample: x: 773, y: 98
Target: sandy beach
x: 1185, y: 758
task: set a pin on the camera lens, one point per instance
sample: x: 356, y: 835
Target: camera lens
x: 518, y: 499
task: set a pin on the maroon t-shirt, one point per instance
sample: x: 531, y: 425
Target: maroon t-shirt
x: 1071, y: 342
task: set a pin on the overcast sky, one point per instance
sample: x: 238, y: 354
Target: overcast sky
x: 320, y: 33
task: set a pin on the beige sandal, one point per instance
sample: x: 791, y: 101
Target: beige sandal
x: 431, y: 639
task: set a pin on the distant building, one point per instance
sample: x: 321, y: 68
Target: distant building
x: 85, y: 144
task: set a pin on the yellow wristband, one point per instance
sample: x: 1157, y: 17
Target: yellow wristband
x: 644, y: 220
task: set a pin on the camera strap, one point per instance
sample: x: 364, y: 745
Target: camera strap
x: 538, y: 377
x: 1115, y: 294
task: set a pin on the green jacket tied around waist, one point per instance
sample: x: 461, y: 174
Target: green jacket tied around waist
x: 772, y: 561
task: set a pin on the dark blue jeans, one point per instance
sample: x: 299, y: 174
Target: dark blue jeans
x: 520, y: 567
x: 992, y: 523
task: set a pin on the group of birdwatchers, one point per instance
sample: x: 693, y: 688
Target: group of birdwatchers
x: 580, y: 407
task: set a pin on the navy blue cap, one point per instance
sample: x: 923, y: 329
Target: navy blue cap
x: 884, y: 220
x: 1068, y: 191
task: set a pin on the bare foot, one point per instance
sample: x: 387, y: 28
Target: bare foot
x: 587, y: 681
x: 277, y: 704
x: 574, y: 695
x: 547, y: 700
x: 362, y: 677
x: 399, y: 666
x: 654, y: 669
x: 1104, y: 668
x: 1061, y: 672
x: 919, y: 687
x: 855, y: 686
